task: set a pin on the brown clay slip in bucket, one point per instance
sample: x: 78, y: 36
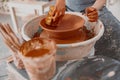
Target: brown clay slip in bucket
x: 38, y: 56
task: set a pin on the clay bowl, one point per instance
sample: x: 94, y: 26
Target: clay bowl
x: 67, y: 27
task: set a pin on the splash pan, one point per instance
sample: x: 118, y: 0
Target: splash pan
x: 70, y: 51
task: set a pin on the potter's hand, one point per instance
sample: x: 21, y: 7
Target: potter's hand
x: 59, y: 9
x: 92, y: 14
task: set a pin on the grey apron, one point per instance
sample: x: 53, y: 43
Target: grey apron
x: 78, y: 5
x: 109, y: 44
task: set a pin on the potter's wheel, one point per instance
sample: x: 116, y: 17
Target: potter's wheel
x: 67, y: 26
x: 65, y: 51
x: 69, y: 29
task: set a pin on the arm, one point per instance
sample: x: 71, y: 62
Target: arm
x: 92, y: 11
x: 99, y: 4
x: 59, y: 9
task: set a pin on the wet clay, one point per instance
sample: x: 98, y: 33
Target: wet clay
x: 37, y: 53
x: 70, y: 29
x: 66, y: 22
x: 82, y: 35
x: 68, y: 26
x: 92, y: 14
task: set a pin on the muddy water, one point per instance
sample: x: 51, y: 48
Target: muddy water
x: 37, y: 53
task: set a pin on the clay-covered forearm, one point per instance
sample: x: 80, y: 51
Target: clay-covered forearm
x: 59, y: 9
x: 99, y: 4
x: 59, y: 1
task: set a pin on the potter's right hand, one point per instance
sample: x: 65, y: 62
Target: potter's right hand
x: 59, y: 9
x: 92, y: 14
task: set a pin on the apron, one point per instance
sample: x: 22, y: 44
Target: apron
x: 109, y: 44
x: 78, y: 5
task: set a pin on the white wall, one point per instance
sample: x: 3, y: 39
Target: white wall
x: 114, y: 7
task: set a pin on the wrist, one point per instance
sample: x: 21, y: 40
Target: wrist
x: 60, y: 0
x: 95, y: 7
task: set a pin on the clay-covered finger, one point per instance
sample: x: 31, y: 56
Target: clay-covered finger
x: 90, y: 9
x: 50, y: 13
x: 63, y: 12
x: 54, y: 11
x: 92, y: 17
x: 93, y: 13
x: 56, y: 16
x: 52, y: 8
x: 92, y: 20
x: 48, y: 20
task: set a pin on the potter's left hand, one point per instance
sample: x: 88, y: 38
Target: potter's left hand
x: 92, y: 14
